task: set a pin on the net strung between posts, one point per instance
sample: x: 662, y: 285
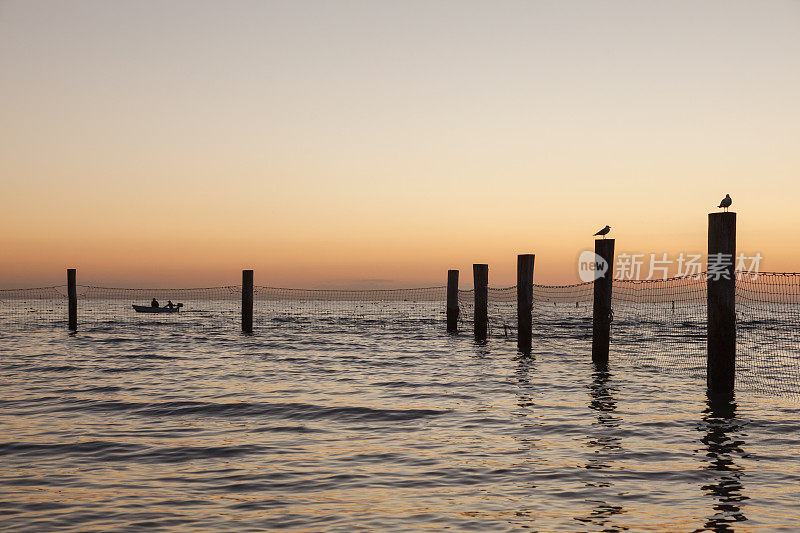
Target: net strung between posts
x: 43, y: 307
x: 202, y: 308
x: 569, y: 307
x: 356, y: 308
x: 768, y: 332
x: 660, y: 323
x: 104, y: 308
x: 663, y: 324
x: 219, y: 308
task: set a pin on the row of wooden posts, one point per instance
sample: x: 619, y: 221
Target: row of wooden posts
x: 721, y: 351
x: 601, y: 319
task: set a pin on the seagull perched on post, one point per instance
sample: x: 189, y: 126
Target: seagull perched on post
x: 604, y: 231
x: 726, y: 202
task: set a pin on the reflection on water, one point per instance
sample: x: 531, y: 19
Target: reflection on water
x: 605, y: 441
x: 723, y: 434
x: 528, y: 436
x: 333, y: 429
x: 606, y: 444
x: 525, y: 367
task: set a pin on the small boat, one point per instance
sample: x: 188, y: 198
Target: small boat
x: 151, y: 309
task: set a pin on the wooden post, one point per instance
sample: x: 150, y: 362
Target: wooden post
x: 480, y: 274
x: 524, y: 302
x: 721, y: 363
x: 72, y: 300
x: 452, y: 301
x: 247, y: 301
x: 601, y: 314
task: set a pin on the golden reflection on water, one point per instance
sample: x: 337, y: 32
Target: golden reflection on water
x: 724, y: 445
x: 512, y: 442
x: 605, y: 445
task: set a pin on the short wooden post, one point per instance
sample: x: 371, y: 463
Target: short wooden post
x: 721, y: 363
x: 72, y: 300
x: 601, y: 313
x: 524, y: 302
x: 452, y: 301
x: 247, y: 301
x: 480, y: 274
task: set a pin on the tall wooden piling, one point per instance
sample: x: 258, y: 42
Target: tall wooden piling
x: 452, y: 301
x: 602, y: 313
x: 721, y: 363
x: 480, y: 274
x: 247, y: 301
x: 72, y: 300
x: 524, y: 302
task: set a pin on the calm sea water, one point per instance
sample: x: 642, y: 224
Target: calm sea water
x: 328, y: 426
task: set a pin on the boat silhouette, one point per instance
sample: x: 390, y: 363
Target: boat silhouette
x: 151, y: 309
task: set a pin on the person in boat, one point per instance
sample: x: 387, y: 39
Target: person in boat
x: 170, y: 305
x: 154, y: 303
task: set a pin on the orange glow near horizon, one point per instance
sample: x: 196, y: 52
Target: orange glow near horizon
x: 146, y: 148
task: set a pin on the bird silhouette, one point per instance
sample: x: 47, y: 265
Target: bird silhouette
x: 604, y: 231
x: 726, y: 202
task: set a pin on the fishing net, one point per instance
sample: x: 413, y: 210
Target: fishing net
x: 659, y: 324
x: 558, y: 311
x: 387, y: 308
x: 103, y: 308
x: 768, y: 332
x: 44, y: 307
x: 219, y: 308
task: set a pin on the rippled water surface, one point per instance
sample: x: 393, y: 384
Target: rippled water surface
x: 335, y: 428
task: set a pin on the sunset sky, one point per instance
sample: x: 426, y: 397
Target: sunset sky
x: 368, y: 143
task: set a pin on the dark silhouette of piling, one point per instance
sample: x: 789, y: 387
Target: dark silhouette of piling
x: 721, y: 363
x: 72, y: 300
x: 452, y: 301
x: 480, y: 274
x: 247, y: 301
x: 524, y: 302
x: 601, y: 314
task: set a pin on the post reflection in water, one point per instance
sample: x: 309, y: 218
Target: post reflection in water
x: 528, y: 421
x: 605, y: 444
x: 723, y: 445
x: 525, y: 366
x: 530, y: 461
